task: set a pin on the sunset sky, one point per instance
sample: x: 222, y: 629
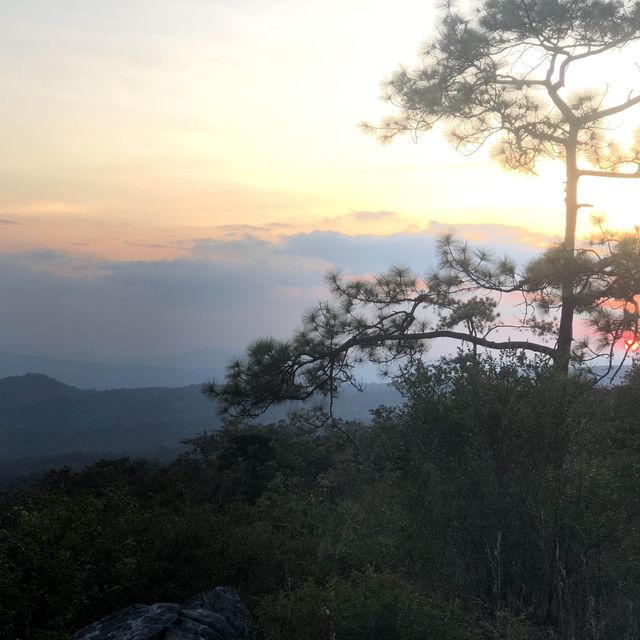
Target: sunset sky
x: 178, y: 174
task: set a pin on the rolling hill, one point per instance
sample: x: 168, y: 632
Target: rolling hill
x: 40, y: 416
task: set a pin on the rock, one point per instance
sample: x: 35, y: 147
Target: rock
x: 212, y: 615
x: 226, y: 603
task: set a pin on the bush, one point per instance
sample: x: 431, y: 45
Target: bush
x: 362, y: 607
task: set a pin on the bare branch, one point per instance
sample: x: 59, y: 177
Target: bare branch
x: 611, y: 111
x: 593, y: 173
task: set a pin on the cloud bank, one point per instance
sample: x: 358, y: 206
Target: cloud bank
x: 226, y: 290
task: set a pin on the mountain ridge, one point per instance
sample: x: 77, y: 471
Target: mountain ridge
x: 43, y: 416
x: 92, y: 374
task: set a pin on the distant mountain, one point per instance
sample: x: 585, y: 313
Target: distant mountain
x: 166, y: 371
x: 207, y: 358
x: 41, y: 416
x: 20, y: 391
x: 174, y: 370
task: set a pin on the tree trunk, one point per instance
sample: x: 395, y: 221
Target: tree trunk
x: 565, y: 331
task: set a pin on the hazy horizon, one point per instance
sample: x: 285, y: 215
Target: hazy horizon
x: 183, y: 174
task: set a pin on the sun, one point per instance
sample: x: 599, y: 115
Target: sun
x: 632, y: 345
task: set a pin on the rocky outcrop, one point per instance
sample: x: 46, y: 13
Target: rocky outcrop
x: 212, y: 615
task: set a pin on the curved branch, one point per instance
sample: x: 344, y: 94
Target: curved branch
x: 611, y: 111
x: 442, y: 333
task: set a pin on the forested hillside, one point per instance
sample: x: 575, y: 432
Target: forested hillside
x: 500, y: 502
x: 40, y: 416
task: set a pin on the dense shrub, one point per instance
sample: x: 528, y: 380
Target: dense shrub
x: 498, y: 502
x: 364, y: 606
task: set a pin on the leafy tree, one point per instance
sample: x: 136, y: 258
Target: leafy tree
x: 499, y: 69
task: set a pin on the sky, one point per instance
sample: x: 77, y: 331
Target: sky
x: 179, y: 174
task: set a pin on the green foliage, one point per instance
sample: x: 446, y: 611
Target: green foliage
x: 500, y: 69
x: 367, y: 605
x: 501, y: 501
x: 67, y: 559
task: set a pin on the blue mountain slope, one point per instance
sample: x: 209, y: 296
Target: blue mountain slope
x: 105, y: 375
x: 42, y: 416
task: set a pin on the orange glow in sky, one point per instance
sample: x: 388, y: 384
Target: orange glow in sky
x: 632, y: 344
x: 126, y: 123
x: 158, y: 152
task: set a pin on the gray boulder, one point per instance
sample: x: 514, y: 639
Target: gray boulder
x: 212, y: 615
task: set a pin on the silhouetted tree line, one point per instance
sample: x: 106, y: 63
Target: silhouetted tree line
x: 500, y: 501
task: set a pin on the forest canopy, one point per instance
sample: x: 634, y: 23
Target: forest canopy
x: 501, y: 501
